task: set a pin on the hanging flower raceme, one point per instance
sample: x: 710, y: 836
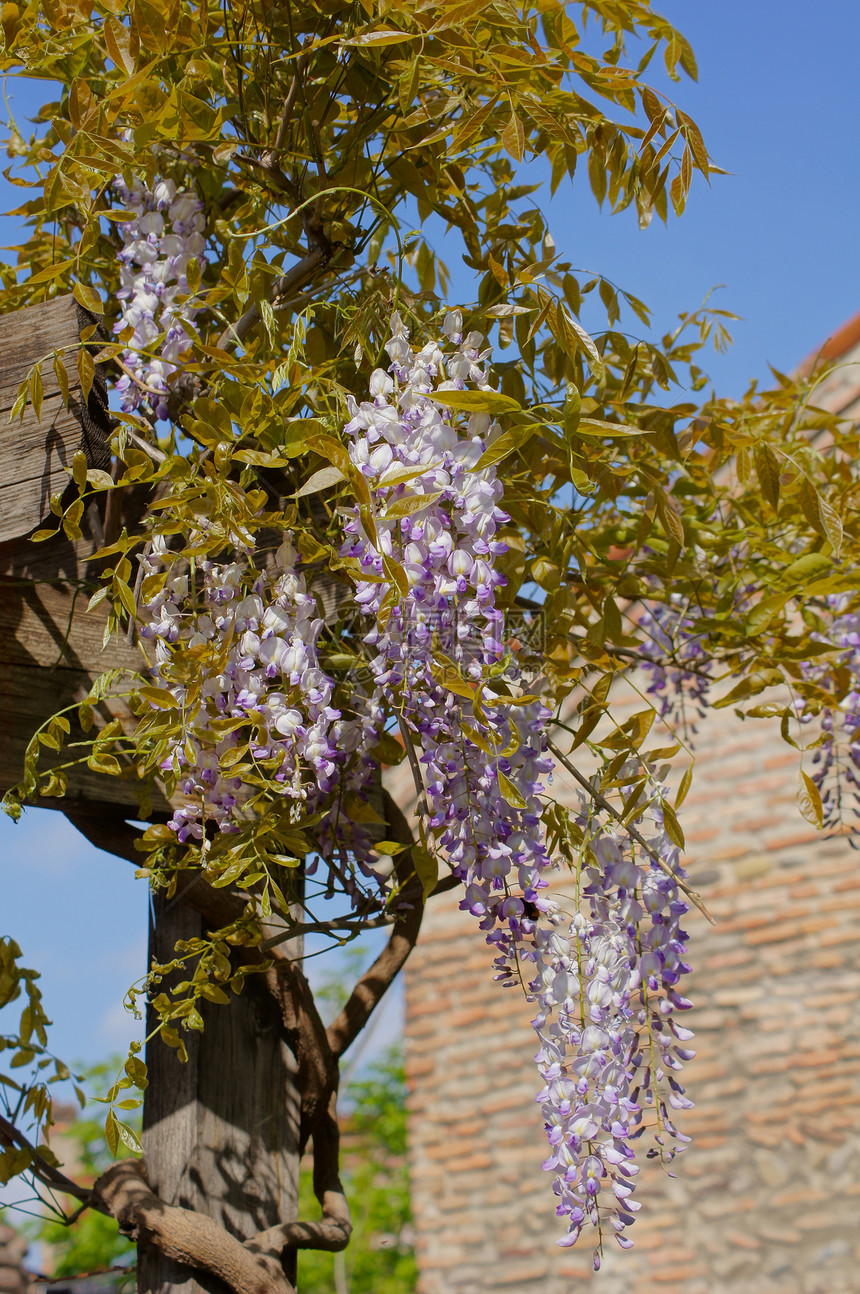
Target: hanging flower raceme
x: 610, y: 1042
x: 836, y: 761
x: 161, y: 242
x: 427, y: 548
x: 241, y: 661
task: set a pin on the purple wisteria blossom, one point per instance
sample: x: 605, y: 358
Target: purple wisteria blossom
x: 611, y: 1047
x: 261, y: 664
x: 603, y: 976
x: 160, y: 244
x: 605, y: 985
x: 837, y: 760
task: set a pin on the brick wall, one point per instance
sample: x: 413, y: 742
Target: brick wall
x: 767, y: 1198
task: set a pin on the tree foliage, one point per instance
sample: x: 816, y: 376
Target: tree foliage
x: 332, y: 150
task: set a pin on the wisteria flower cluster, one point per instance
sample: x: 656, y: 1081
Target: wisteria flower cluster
x: 669, y: 635
x: 604, y: 982
x: 439, y: 659
x: 608, y: 983
x: 837, y: 760
x: 257, y: 649
x: 160, y: 243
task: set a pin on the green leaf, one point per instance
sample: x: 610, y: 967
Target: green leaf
x: 809, y: 566
x: 449, y: 676
x: 514, y: 138
x: 511, y: 792
x: 764, y: 611
x: 832, y: 523
x: 118, y: 40
x: 99, y: 479
x: 79, y: 469
x: 333, y: 450
x: 391, y: 848
x: 426, y: 868
x: 387, y: 750
x: 572, y: 337
x: 409, y: 504
x: 88, y: 297
x: 112, y: 1132
x: 396, y: 574
x: 62, y: 379
x: 809, y: 801
x: 160, y: 697
x: 320, y: 480
x: 36, y: 391
x: 476, y: 401
x: 683, y: 789
x: 599, y: 427
x: 767, y: 469
x: 384, y: 36
x: 51, y: 272
x: 86, y: 371
x: 507, y: 443
x: 672, y: 825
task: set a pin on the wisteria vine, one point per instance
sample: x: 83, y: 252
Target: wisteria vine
x: 673, y: 656
x: 236, y: 649
x: 680, y: 675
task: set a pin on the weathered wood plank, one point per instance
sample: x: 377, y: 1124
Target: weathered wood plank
x: 51, y: 651
x: 32, y: 334
x: 35, y: 453
x: 43, y: 452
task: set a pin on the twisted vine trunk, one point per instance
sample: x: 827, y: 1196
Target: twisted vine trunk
x: 220, y: 1132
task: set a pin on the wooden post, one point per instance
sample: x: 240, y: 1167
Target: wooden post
x: 220, y: 1132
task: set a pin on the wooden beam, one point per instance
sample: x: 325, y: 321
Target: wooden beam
x: 51, y: 652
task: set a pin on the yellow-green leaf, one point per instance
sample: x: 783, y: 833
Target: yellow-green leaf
x: 426, y: 868
x: 88, y: 297
x: 320, y: 480
x: 410, y: 504
x: 510, y: 792
x: 37, y: 391
x: 683, y: 789
x: 476, y: 401
x: 506, y: 444
x: 160, y: 697
x: 767, y: 470
x: 79, y: 469
x: 86, y: 370
x: 62, y: 379
x: 514, y: 138
x: 672, y: 825
x: 809, y: 801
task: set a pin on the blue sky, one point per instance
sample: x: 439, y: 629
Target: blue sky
x: 778, y: 102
